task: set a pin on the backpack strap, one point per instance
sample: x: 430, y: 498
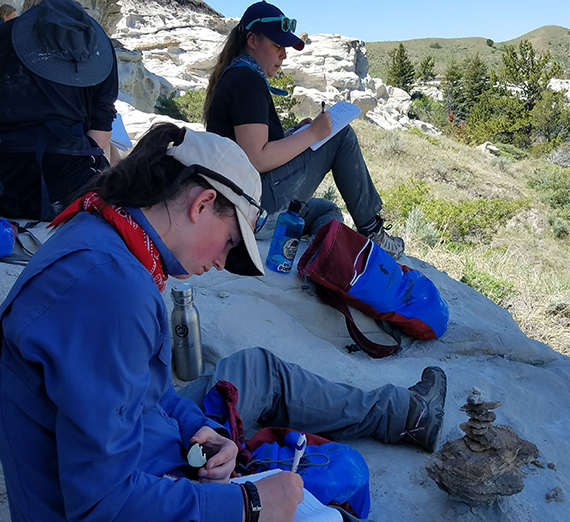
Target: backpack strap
x: 374, y: 350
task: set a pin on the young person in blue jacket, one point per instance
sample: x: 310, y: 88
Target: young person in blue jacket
x: 239, y: 106
x: 91, y: 428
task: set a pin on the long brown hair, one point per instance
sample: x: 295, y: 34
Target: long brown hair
x: 149, y: 174
x: 235, y: 44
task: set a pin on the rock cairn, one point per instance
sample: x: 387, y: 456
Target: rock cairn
x: 484, y: 465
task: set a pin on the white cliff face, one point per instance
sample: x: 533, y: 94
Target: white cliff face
x: 169, y: 48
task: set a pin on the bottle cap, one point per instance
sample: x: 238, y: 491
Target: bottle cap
x: 182, y: 294
x: 296, y: 205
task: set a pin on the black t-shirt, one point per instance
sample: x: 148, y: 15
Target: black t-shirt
x: 26, y: 98
x: 242, y: 97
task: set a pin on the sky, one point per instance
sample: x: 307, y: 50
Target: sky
x: 397, y: 20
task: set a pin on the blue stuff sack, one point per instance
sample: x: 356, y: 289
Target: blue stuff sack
x: 7, y: 236
x: 331, y: 471
x: 350, y: 269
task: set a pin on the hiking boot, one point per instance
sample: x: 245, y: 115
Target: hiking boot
x: 425, y: 416
x: 393, y: 245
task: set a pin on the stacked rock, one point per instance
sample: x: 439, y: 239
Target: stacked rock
x: 484, y: 465
x: 479, y: 434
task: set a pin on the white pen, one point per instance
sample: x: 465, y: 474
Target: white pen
x: 299, y: 451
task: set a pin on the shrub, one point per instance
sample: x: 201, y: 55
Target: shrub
x: 431, y: 139
x: 554, y: 185
x: 426, y: 109
x: 495, y: 288
x: 489, y: 42
x: 284, y: 104
x: 510, y: 151
x: 435, y: 45
x: 187, y: 107
x: 501, y: 162
x: 422, y: 230
x: 560, y: 156
x: 465, y: 221
x: 401, y: 199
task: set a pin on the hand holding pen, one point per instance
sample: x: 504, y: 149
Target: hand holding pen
x: 299, y: 450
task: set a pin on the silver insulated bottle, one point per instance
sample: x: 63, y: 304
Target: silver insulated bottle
x: 185, y: 329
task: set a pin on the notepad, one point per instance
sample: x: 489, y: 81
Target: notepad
x: 342, y: 113
x: 310, y: 510
x: 119, y: 136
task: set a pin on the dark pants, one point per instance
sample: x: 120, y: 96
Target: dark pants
x: 275, y: 393
x: 20, y: 182
x: 300, y: 178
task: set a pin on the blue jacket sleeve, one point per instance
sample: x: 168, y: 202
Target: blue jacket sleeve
x: 189, y: 416
x: 97, y: 337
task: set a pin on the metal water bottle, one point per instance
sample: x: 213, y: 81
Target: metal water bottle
x: 186, y: 337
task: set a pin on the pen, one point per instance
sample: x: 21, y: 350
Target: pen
x: 322, y: 107
x: 299, y: 448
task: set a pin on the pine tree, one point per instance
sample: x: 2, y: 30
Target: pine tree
x: 474, y: 82
x: 401, y: 71
x: 425, y: 71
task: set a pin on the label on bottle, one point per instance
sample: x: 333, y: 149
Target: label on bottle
x: 290, y: 248
x: 181, y: 330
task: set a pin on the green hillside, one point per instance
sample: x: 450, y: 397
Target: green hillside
x: 551, y: 38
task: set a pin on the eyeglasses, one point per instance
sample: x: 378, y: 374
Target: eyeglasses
x: 261, y: 212
x: 287, y: 24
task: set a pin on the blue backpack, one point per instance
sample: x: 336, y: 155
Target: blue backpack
x: 350, y: 269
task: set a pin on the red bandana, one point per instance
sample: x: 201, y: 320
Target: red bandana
x: 136, y: 239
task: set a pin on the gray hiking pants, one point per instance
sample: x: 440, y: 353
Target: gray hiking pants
x: 275, y: 393
x: 300, y: 178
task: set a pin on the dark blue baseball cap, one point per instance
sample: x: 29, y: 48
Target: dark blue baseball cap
x: 269, y: 20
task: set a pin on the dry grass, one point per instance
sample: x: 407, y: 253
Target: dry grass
x: 524, y: 254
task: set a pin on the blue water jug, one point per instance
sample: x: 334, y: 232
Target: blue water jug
x: 286, y: 237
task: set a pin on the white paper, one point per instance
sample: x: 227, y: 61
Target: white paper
x: 310, y: 510
x: 119, y: 136
x: 342, y: 113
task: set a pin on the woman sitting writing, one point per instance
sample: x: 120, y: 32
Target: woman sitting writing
x: 239, y: 106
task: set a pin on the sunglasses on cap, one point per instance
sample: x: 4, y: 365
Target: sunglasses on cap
x: 287, y: 24
x: 261, y: 212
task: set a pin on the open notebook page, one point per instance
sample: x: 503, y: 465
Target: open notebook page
x: 310, y: 510
x: 342, y: 113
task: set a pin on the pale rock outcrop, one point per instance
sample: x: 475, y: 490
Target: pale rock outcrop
x: 560, y: 85
x: 488, y: 148
x: 178, y: 47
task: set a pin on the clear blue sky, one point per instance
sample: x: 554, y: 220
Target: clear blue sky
x: 376, y: 20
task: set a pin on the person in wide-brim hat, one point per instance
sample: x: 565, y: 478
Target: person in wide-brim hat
x: 58, y: 88
x: 59, y: 41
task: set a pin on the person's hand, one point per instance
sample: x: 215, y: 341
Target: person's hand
x: 221, y: 454
x: 321, y: 126
x: 280, y: 495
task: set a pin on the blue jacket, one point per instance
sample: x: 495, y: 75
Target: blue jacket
x: 89, y: 419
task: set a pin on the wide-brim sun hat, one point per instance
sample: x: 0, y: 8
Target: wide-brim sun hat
x: 272, y: 29
x: 208, y: 152
x: 59, y: 41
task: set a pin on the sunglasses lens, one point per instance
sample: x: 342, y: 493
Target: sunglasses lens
x: 293, y: 24
x: 260, y: 220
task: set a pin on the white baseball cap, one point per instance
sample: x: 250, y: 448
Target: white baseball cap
x: 227, y: 168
